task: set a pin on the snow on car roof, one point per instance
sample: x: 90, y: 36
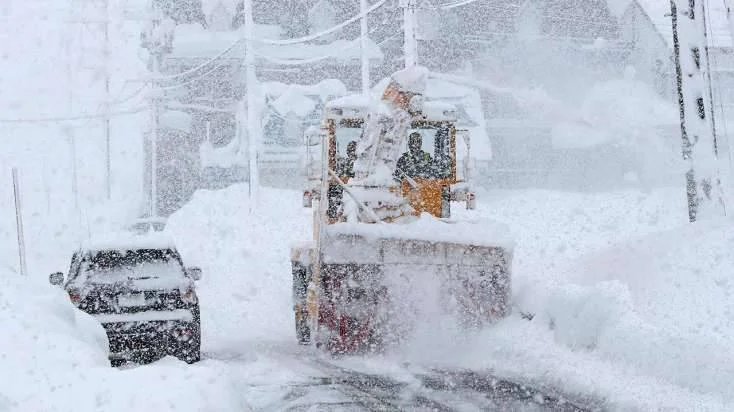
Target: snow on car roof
x: 129, y: 241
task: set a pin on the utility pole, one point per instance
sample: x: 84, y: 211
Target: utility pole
x: 93, y: 16
x: 253, y: 130
x: 364, y: 43
x: 68, y: 130
x: 698, y: 130
x: 410, y: 42
x: 158, y: 39
x: 106, y: 109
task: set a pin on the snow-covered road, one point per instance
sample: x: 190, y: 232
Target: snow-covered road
x: 612, y: 326
x: 308, y: 379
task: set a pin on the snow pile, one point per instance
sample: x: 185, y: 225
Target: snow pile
x: 245, y: 291
x: 479, y: 232
x: 659, y: 306
x: 670, y: 311
x: 58, y: 358
x: 643, y: 324
x: 412, y: 79
x: 44, y: 341
x: 294, y: 101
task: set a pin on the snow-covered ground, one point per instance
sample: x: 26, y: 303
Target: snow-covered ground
x: 632, y: 306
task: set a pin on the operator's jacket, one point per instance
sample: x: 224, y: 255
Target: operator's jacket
x: 414, y: 165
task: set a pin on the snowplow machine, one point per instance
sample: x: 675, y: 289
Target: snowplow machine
x: 386, y: 253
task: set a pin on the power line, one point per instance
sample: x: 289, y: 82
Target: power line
x: 455, y: 4
x: 63, y: 119
x: 273, y: 42
x: 201, y: 66
x: 325, y: 32
x: 297, y: 62
x: 193, y: 79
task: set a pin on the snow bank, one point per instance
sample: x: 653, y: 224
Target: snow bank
x: 667, y: 308
x: 58, y: 358
x: 44, y: 340
x: 642, y: 325
x: 245, y: 291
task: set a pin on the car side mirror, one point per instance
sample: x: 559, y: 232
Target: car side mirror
x: 56, y: 278
x: 194, y: 273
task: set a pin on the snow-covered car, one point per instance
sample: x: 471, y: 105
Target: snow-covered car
x: 142, y: 294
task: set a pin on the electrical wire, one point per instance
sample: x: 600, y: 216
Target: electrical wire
x: 297, y: 62
x: 324, y: 32
x: 284, y: 42
x: 63, y: 119
x: 193, y: 79
x: 199, y: 67
x: 455, y: 4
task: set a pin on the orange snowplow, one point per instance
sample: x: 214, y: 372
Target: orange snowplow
x: 384, y: 237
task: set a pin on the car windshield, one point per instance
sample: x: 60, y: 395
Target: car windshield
x: 110, y: 265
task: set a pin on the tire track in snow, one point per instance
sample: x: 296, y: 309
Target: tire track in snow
x: 439, y: 390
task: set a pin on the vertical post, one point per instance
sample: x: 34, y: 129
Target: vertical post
x: 68, y: 130
x: 19, y: 223
x: 154, y: 136
x: 698, y: 132
x: 729, y: 20
x: 364, y: 43
x: 252, y: 120
x: 158, y: 39
x: 106, y: 54
x: 410, y: 43
x: 74, y: 174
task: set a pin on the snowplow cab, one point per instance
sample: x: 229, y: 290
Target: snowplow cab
x: 431, y: 187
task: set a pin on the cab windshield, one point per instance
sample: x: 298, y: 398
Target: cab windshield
x: 434, y: 143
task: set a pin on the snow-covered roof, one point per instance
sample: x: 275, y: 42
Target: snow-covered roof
x: 439, y: 94
x: 469, y: 100
x: 659, y: 10
x: 293, y: 101
x: 193, y: 41
x: 128, y: 241
x: 438, y: 110
x: 353, y: 105
x: 412, y: 79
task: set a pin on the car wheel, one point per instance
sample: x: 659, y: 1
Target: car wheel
x: 190, y: 352
x: 191, y: 357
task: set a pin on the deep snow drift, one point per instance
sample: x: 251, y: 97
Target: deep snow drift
x: 54, y: 358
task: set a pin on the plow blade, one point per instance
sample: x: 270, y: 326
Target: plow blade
x: 376, y: 290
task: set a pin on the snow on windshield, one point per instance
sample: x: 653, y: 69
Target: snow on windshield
x: 113, y: 265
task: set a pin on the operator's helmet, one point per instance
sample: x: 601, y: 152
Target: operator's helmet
x: 415, y: 142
